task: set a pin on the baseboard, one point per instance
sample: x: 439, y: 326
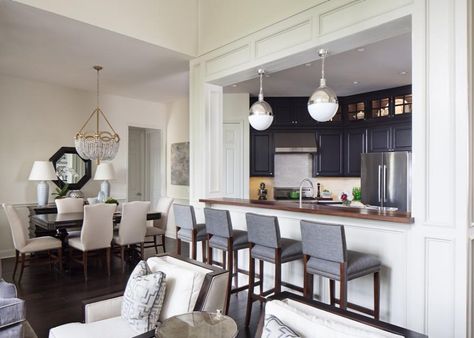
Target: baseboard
x: 7, y: 253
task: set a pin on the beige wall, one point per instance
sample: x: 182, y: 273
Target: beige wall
x: 223, y: 21
x: 37, y: 118
x: 170, y: 24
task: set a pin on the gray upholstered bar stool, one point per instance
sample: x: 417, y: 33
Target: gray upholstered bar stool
x: 188, y: 230
x: 325, y: 254
x: 267, y: 245
x: 221, y: 235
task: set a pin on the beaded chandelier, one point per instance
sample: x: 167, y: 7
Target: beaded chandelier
x: 100, y: 144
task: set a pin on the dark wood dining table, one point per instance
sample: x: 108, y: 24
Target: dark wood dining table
x: 54, y: 222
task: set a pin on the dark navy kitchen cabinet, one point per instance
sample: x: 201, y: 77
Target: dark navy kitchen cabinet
x: 401, y: 137
x: 355, y: 144
x: 282, y: 111
x: 328, y: 161
x: 380, y: 138
x: 261, y: 154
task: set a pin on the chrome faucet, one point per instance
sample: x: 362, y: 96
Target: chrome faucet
x: 301, y: 189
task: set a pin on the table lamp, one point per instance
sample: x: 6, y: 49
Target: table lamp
x: 105, y: 171
x: 42, y: 171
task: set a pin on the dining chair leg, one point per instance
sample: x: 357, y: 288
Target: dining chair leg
x: 261, y: 272
x: 122, y: 257
x: 84, y: 263
x: 60, y: 258
x: 142, y: 250
x: 376, y: 295
x: 23, y: 258
x: 332, y: 291
x: 194, y: 245
x: 248, y: 313
x: 236, y: 268
x: 17, y: 253
x: 163, y: 243
x: 155, y: 244
x: 107, y: 254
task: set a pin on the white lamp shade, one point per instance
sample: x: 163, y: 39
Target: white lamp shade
x: 42, y: 171
x: 105, y: 171
x: 260, y: 122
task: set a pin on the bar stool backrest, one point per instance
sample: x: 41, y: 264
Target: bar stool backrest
x: 263, y: 230
x: 324, y: 241
x: 218, y: 222
x: 184, y: 216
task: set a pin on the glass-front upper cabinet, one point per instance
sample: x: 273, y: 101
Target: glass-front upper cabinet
x: 403, y: 104
x: 380, y: 107
x: 356, y: 110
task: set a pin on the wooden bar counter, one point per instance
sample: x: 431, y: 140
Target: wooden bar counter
x: 315, y: 208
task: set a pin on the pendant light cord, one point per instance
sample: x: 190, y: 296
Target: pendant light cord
x: 323, y: 76
x: 260, y: 94
x: 98, y: 87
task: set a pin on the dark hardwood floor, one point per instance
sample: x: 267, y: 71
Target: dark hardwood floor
x: 53, y: 299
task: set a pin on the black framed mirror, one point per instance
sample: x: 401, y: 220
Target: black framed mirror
x: 71, y: 168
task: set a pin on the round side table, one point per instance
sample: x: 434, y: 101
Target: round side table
x: 196, y: 325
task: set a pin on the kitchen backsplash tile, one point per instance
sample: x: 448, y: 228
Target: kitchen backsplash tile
x: 290, y: 169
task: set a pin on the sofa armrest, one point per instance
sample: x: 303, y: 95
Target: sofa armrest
x: 101, y: 308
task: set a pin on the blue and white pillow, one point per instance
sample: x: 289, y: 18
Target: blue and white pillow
x: 274, y: 328
x: 143, y: 298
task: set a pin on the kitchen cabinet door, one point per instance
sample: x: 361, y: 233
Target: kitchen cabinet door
x: 401, y: 137
x: 379, y: 139
x: 329, y: 159
x: 301, y: 114
x: 355, y: 144
x: 282, y: 111
x: 261, y: 154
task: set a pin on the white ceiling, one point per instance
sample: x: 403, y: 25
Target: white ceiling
x: 42, y: 46
x: 377, y: 67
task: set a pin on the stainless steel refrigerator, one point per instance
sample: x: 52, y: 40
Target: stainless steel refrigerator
x: 386, y: 180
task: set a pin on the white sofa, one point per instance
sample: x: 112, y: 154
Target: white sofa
x: 190, y: 286
x: 309, y: 318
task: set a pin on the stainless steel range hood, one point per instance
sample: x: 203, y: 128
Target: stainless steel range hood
x: 295, y: 143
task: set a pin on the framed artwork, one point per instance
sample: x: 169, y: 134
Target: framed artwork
x: 180, y: 163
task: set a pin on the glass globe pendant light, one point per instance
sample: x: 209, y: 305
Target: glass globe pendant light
x: 261, y: 113
x: 323, y: 104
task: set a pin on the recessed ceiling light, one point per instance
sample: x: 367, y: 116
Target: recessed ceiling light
x: 234, y: 85
x: 403, y: 73
x: 361, y: 49
x: 307, y: 64
x: 355, y: 82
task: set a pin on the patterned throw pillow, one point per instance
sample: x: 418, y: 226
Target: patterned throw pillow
x: 274, y: 328
x: 143, y: 298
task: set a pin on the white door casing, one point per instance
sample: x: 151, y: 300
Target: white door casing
x: 136, y: 164
x: 233, y: 160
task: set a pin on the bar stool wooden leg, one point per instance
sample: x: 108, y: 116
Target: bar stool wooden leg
x: 209, y: 250
x: 261, y: 272
x: 230, y: 269
x: 278, y: 270
x: 376, y: 295
x: 194, y: 244
x: 250, y: 291
x: 343, y: 286
x: 236, y: 268
x: 203, y: 250
x: 332, y: 292
x: 163, y: 243
x: 178, y: 242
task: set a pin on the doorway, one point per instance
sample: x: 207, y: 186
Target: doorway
x: 233, y: 160
x: 144, y: 164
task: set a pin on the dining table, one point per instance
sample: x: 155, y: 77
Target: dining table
x: 60, y: 223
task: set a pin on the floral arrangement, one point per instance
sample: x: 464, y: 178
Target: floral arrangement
x: 346, y: 198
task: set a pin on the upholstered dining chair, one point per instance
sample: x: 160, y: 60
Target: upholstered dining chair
x: 69, y: 204
x: 24, y: 245
x: 96, y: 233
x: 132, y: 228
x: 158, y: 227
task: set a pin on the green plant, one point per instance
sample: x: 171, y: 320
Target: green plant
x: 111, y: 200
x: 61, y: 192
x: 356, y: 193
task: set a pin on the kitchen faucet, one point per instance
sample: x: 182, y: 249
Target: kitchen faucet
x: 301, y: 189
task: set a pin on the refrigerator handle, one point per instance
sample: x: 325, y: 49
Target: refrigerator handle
x: 378, y: 190
x: 384, y: 183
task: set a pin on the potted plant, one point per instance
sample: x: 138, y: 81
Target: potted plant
x: 61, y: 192
x: 111, y: 200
